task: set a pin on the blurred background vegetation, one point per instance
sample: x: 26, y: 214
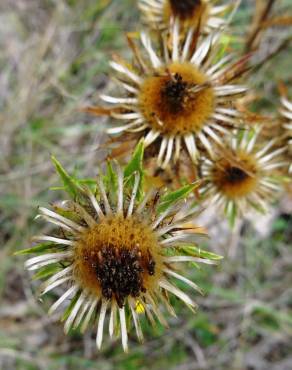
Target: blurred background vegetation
x: 54, y: 60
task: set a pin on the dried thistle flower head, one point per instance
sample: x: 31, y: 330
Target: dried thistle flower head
x: 286, y: 113
x: 243, y: 175
x: 118, y: 253
x: 191, y: 13
x: 183, y: 99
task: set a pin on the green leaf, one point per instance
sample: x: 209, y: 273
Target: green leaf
x: 46, y: 271
x: 70, y: 307
x: 198, y: 252
x: 70, y: 184
x: 173, y: 197
x: 136, y: 162
x: 257, y: 207
x: 110, y: 179
x: 55, y: 188
x: 232, y: 214
x: 135, y: 165
x: 88, y: 182
x: 35, y: 249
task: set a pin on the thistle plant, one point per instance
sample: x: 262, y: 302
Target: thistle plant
x: 118, y: 251
x: 243, y: 175
x: 120, y: 248
x: 183, y: 100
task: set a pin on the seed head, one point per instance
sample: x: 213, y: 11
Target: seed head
x: 116, y: 251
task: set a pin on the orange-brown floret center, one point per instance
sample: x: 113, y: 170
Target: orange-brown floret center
x: 177, y: 99
x: 235, y: 179
x: 117, y: 258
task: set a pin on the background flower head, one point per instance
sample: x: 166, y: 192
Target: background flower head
x: 243, y: 174
x: 180, y: 97
x: 159, y: 14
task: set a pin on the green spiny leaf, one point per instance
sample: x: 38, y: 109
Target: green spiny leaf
x: 173, y: 197
x: 231, y: 214
x: 257, y: 207
x: 35, y: 249
x: 110, y: 178
x: 135, y: 165
x: 136, y: 162
x: 91, y: 183
x: 198, y: 252
x: 46, y: 271
x: 70, y: 307
x: 70, y: 184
